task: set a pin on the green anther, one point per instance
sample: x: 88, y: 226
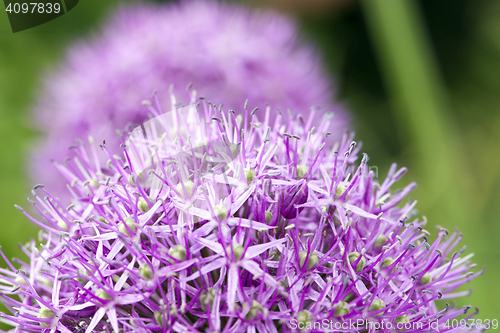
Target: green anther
x: 301, y: 171
x: 249, y: 174
x: 207, y: 298
x: 129, y: 221
x: 94, y: 183
x: 178, y: 252
x: 377, y: 304
x: 381, y: 239
x: 159, y: 318
x: 353, y: 256
x: 145, y: 271
x: 340, y: 191
x: 45, y: 313
x: 402, y: 320
x: 304, y: 317
x: 143, y: 204
x: 189, y: 185
x: 103, y: 295
x: 254, y: 310
x: 324, y: 209
x: 426, y: 278
x: 341, y: 309
x: 221, y: 211
x: 237, y: 249
x: 387, y: 262
x: 312, y: 262
x: 269, y: 216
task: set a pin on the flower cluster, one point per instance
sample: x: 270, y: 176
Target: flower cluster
x: 210, y: 221
x: 228, y: 53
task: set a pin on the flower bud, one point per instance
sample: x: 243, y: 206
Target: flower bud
x: 377, y: 304
x: 426, y: 278
x: 402, y: 320
x: 312, y: 262
x: 159, y: 318
x: 235, y: 150
x: 387, y: 262
x: 102, y: 219
x: 178, y: 252
x: 254, y: 310
x: 249, y: 174
x: 301, y: 171
x: 45, y: 313
x: 221, y: 212
x: 61, y: 224
x: 304, y: 318
x: 275, y: 255
x: 340, y: 191
x: 19, y: 280
x: 129, y: 221
x: 381, y: 239
x: 238, y: 251
x: 145, y: 271
x: 269, y: 216
x: 94, y: 183
x: 353, y: 256
x: 189, y: 185
x: 103, y: 295
x: 131, y: 180
x: 143, y: 204
x: 341, y: 309
x: 207, y: 298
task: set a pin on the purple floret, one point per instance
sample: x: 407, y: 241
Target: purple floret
x: 209, y: 221
x: 228, y: 53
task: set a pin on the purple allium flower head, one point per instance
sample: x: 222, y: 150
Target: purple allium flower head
x: 216, y: 222
x: 227, y: 52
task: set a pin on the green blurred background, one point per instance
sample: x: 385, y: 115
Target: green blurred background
x: 420, y: 78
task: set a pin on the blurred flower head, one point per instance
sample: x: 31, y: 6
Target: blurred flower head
x: 212, y: 221
x: 227, y: 53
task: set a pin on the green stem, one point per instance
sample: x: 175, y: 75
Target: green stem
x: 420, y: 107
